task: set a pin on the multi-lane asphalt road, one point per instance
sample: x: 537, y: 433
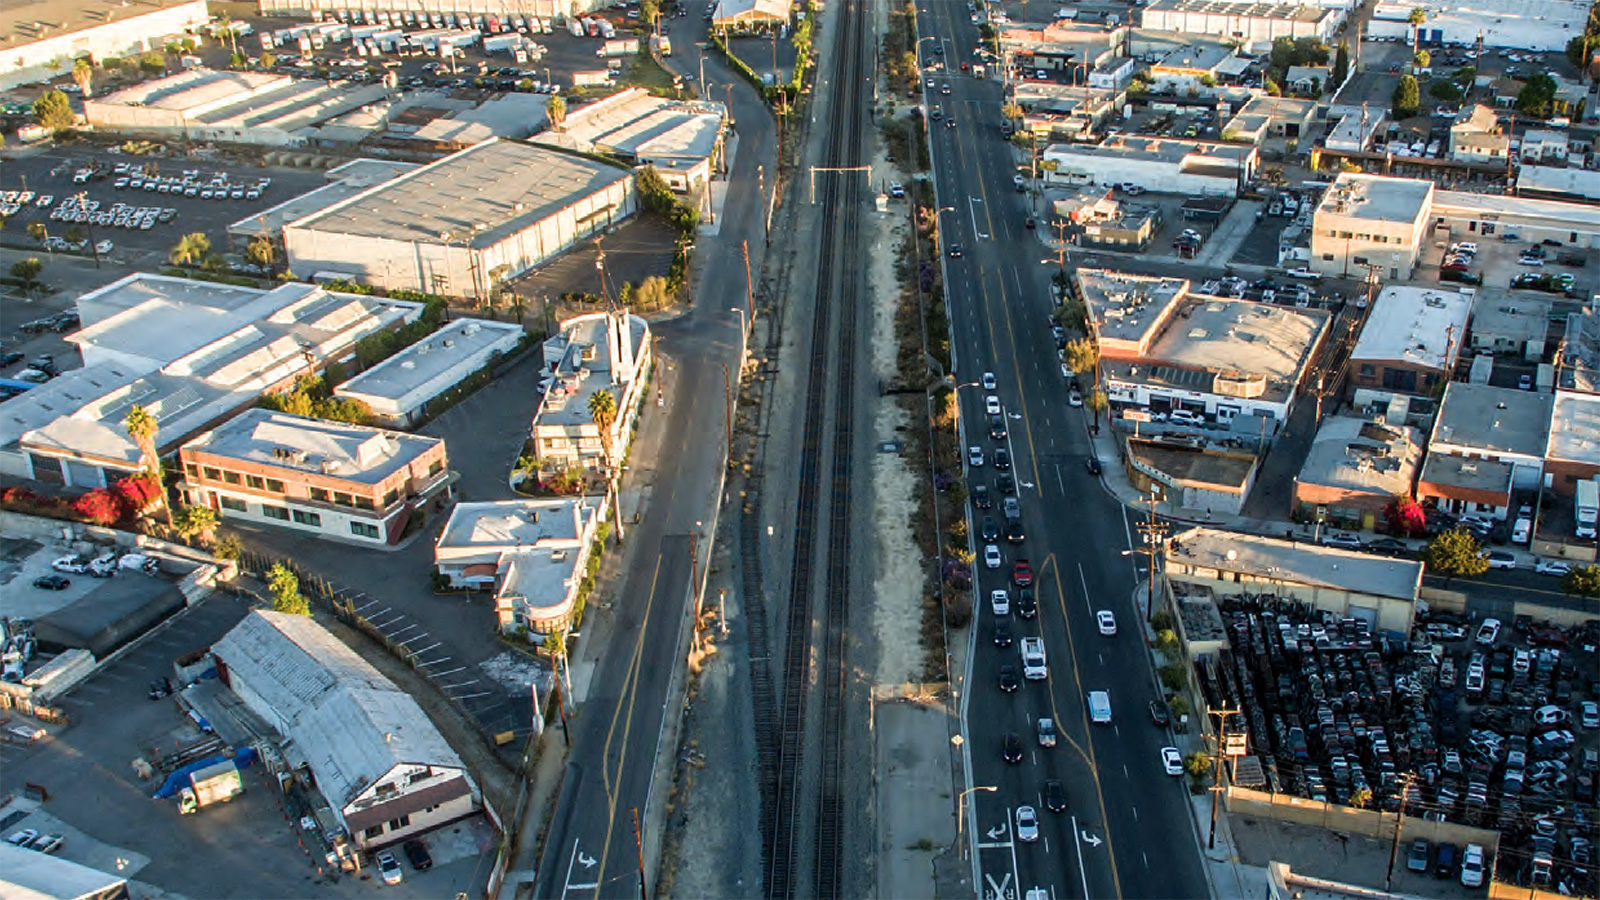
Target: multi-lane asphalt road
x: 1126, y: 830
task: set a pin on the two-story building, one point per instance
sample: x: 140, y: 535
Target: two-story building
x: 1369, y: 220
x: 531, y: 554
x: 1408, y: 348
x: 610, y: 352
x: 347, y: 482
x: 1354, y: 468
x: 1487, y: 443
x: 1476, y: 137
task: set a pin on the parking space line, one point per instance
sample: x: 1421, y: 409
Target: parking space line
x: 438, y: 675
x: 471, y: 696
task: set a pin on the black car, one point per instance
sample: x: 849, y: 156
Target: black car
x: 1388, y: 547
x: 1002, y: 634
x: 417, y: 853
x: 980, y: 497
x: 51, y: 582
x: 1027, y: 603
x: 1011, y: 747
x: 10, y: 357
x: 955, y: 249
x: 1055, y: 796
x: 1159, y: 715
x: 1008, y: 678
x: 1093, y: 465
x: 1015, y: 533
x: 1006, y: 483
x: 997, y: 427
x: 991, y: 529
x: 1002, y: 459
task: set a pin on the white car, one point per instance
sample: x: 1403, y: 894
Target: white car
x: 1464, y: 247
x: 1172, y: 760
x: 991, y: 556
x: 1106, y: 621
x: 389, y: 868
x: 1027, y: 824
x: 1074, y: 399
x: 1551, y: 715
x: 1000, y: 601
x: 988, y: 381
x: 975, y: 456
x: 72, y: 565
x: 1472, y: 866
x: 1552, y: 567
x: 1489, y: 631
x: 991, y: 405
x: 1589, y: 714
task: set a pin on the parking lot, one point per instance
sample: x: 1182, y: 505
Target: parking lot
x: 1476, y: 723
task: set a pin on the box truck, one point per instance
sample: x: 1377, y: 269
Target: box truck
x: 213, y: 784
x: 619, y: 47
x: 1588, y: 507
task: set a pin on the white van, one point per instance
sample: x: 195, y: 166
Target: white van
x: 1100, y: 707
x: 1034, y: 667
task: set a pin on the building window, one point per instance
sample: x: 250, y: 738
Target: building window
x: 391, y: 497
x: 307, y: 518
x: 1359, y: 260
x: 436, y: 467
x: 191, y: 470
x: 212, y: 473
x: 231, y: 477
x: 343, y: 499
x: 1327, y: 257
x: 275, y: 512
x: 397, y: 824
x: 319, y: 494
x: 233, y: 503
x: 274, y: 485
x: 363, y: 529
x: 1367, y: 370
x: 254, y: 481
x: 364, y: 503
x: 373, y: 832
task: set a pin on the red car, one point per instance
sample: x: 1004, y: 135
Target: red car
x: 1022, y: 573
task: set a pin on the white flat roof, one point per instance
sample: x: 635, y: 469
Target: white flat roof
x: 1296, y: 563
x: 1584, y: 183
x: 23, y: 22
x: 1557, y: 213
x: 1375, y: 197
x: 566, y: 403
x: 31, y: 875
x: 534, y: 545
x: 191, y: 90
x: 1421, y: 326
x: 1495, y: 420
x: 1213, y: 334
x: 360, y: 175
x: 462, y: 345
x: 1503, y: 23
x: 350, y: 452
x: 1575, y: 428
x: 1124, y: 306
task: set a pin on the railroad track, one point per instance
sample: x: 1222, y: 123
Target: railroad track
x: 832, y: 357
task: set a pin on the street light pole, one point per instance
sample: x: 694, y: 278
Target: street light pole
x: 961, y: 814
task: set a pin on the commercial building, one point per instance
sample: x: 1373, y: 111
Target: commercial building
x: 1409, y: 346
x: 1248, y: 21
x: 1264, y: 116
x: 1543, y: 25
x: 1578, y: 357
x: 39, y: 41
x: 1057, y: 112
x: 1349, y: 584
x: 331, y: 479
x: 1558, y: 183
x: 682, y: 140
x: 1574, y: 451
x: 229, y: 107
x: 465, y: 224
x: 192, y: 353
x: 1476, y: 137
x: 1370, y: 220
x: 1189, y: 69
x: 1472, y: 216
x: 1354, y: 468
x: 1355, y: 130
x: 610, y: 352
x: 1198, y: 479
x: 1487, y: 441
x: 1511, y: 323
x: 344, y: 182
x: 1163, y: 350
x: 398, y: 390
x: 1158, y: 164
x: 369, y: 749
x: 532, y: 554
x: 31, y: 875
x: 750, y: 15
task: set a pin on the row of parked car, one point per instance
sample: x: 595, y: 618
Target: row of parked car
x: 31, y: 839
x: 104, y: 566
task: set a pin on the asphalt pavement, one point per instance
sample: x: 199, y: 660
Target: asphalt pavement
x: 629, y: 713
x: 1126, y: 828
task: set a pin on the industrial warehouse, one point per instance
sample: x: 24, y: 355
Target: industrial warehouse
x: 465, y: 224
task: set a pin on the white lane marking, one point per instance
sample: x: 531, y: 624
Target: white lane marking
x: 1083, y: 874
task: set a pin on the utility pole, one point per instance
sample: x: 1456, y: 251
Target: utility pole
x: 638, y: 844
x: 694, y: 582
x: 766, y: 213
x: 727, y: 392
x: 1153, y: 533
x: 1399, y: 820
x: 749, y: 285
x: 561, y: 707
x: 1061, y: 246
x: 1216, y: 779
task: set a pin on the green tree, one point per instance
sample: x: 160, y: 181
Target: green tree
x: 192, y: 522
x: 603, y: 411
x: 1406, y: 100
x: 1081, y: 355
x: 1416, y: 18
x: 1421, y: 59
x: 152, y: 62
x: 83, y: 76
x: 1272, y: 87
x: 649, y: 12
x: 1174, y: 675
x: 191, y: 249
x: 1341, y: 66
x: 27, y: 271
x: 1098, y: 401
x: 1198, y: 766
x: 1011, y: 109
x: 1447, y: 91
x: 263, y: 252
x: 285, y: 588
x: 555, y: 109
x: 142, y: 427
x: 1582, y: 582
x: 1536, y: 95
x: 1360, y: 797
x: 1466, y: 76
x: 54, y: 111
x: 1453, y: 553
x: 268, y: 60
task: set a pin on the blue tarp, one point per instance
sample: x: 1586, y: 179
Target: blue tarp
x: 177, y: 781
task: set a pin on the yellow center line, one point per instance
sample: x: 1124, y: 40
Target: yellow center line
x: 624, y: 702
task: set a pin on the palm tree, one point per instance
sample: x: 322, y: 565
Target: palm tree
x: 263, y: 252
x: 83, y: 76
x: 603, y: 410
x: 190, y: 249
x: 1416, y: 18
x: 142, y: 427
x: 556, y: 111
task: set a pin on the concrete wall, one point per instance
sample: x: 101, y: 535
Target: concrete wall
x: 1366, y: 822
x: 541, y: 8
x: 1393, y: 614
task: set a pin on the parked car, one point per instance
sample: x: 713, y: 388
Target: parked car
x: 1417, y: 856
x: 51, y: 582
x: 1159, y: 715
x: 1488, y: 632
x: 1552, y: 567
x: 1499, y: 559
x: 1171, y: 760
x: 991, y: 556
x: 389, y: 868
x: 1472, y: 866
x: 1342, y: 540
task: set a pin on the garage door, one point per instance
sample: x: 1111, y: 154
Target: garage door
x: 1366, y: 614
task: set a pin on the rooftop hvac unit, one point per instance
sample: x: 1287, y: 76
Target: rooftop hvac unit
x: 331, y: 466
x: 408, y: 364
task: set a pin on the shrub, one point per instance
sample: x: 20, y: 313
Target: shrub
x: 99, y: 506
